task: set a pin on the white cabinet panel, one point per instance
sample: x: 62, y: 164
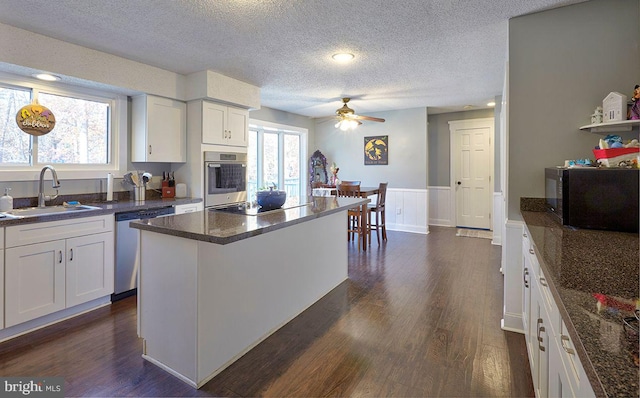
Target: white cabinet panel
x: 224, y: 125
x: 89, y: 268
x: 214, y: 123
x: 20, y: 235
x: 188, y: 208
x: 159, y: 129
x: 34, y: 281
x: 237, y: 126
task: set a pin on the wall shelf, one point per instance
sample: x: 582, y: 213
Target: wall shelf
x: 611, y: 127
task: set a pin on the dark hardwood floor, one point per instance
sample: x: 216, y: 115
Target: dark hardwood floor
x: 418, y: 317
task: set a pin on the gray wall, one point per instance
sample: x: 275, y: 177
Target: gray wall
x: 562, y: 63
x: 439, y: 143
x: 407, y: 131
x: 290, y: 119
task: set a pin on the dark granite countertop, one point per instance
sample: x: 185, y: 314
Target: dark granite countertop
x: 113, y: 207
x: 223, y: 228
x: 594, y: 278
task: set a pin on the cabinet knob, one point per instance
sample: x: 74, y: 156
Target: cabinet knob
x: 524, y: 277
x: 543, y: 282
x: 149, y: 149
x: 524, y: 235
x: 531, y: 251
x: 60, y: 256
x: 70, y: 254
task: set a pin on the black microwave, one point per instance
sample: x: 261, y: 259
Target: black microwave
x: 594, y: 198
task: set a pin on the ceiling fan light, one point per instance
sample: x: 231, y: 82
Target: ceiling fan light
x: 343, y: 57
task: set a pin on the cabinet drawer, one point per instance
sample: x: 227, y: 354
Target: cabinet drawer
x: 549, y: 302
x: 27, y: 234
x: 569, y: 356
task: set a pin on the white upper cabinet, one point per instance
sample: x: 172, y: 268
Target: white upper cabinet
x: 224, y: 125
x: 159, y: 130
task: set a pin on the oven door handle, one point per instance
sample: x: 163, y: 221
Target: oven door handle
x: 213, y: 165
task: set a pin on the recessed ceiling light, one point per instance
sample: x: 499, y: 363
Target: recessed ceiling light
x: 46, y: 76
x: 343, y: 57
x: 491, y: 103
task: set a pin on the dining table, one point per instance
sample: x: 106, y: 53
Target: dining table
x: 364, y: 219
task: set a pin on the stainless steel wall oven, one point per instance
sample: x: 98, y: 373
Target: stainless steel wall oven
x: 225, y: 178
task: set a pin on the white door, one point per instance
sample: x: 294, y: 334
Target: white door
x: 472, y: 171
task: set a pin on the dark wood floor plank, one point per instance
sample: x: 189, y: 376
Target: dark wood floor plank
x: 418, y: 317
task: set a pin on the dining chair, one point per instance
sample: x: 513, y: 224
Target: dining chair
x: 379, y: 209
x: 350, y: 182
x: 354, y: 215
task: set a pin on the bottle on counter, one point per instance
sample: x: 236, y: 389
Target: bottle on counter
x: 6, y: 201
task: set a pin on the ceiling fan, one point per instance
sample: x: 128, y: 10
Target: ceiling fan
x: 347, y: 118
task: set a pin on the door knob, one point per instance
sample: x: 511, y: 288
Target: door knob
x: 459, y: 182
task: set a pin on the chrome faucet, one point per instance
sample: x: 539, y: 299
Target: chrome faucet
x: 55, y: 183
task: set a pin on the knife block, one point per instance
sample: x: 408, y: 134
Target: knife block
x: 168, y: 192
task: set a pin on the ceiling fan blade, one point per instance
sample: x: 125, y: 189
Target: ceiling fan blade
x: 370, y: 118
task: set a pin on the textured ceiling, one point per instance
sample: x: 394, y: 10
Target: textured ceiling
x: 441, y: 54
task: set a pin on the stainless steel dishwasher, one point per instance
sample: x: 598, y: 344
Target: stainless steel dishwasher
x: 127, y: 253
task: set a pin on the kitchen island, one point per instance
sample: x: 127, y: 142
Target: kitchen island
x: 213, y: 285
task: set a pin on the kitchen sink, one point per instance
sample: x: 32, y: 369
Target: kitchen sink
x: 48, y: 210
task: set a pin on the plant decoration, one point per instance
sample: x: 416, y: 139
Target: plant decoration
x: 334, y: 173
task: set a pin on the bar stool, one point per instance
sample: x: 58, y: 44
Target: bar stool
x: 379, y: 210
x: 354, y: 215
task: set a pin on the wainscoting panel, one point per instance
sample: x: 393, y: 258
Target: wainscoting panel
x: 440, y: 206
x: 407, y: 210
x: 497, y: 218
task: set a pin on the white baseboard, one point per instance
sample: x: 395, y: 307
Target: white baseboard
x: 408, y: 228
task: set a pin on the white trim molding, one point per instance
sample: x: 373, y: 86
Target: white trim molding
x: 407, y: 210
x: 497, y: 218
x: 512, y: 269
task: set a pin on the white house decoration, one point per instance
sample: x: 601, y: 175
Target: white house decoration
x: 614, y: 106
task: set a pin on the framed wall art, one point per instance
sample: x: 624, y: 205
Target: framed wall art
x: 376, y: 150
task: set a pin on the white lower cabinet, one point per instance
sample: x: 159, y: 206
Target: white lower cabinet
x: 34, y: 281
x: 55, y: 265
x: 89, y: 271
x: 188, y: 208
x: 539, y: 331
x: 555, y: 367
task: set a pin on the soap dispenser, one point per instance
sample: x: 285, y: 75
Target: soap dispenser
x: 6, y: 201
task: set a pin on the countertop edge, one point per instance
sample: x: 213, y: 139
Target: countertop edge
x: 105, y: 208
x: 224, y: 240
x: 590, y: 369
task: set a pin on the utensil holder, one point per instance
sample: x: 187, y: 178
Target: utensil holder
x: 139, y: 193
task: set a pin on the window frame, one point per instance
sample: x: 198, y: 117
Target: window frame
x: 281, y: 129
x: 116, y: 142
